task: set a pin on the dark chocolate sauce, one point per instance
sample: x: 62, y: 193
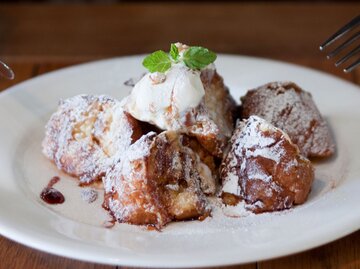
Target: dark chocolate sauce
x: 51, y: 195
x: 53, y: 181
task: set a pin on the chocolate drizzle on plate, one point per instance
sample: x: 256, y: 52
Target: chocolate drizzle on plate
x: 51, y: 195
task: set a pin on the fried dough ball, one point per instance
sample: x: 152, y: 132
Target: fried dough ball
x: 212, y: 122
x: 264, y: 168
x: 87, y: 134
x: 160, y: 179
x: 288, y: 107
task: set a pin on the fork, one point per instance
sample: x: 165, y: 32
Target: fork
x: 6, y: 71
x: 353, y: 24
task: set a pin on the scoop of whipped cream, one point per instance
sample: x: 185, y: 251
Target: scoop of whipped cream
x: 161, y: 99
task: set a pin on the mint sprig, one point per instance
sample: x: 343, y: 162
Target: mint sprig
x: 157, y: 61
x: 174, y: 52
x: 198, y: 57
x: 194, y: 57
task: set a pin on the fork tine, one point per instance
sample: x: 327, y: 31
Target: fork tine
x: 6, y: 71
x: 352, y: 66
x: 342, y: 31
x: 343, y: 45
x: 347, y: 56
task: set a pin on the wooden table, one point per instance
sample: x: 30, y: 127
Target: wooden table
x: 38, y: 39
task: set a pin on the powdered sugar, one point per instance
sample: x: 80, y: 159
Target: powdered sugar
x: 237, y: 211
x: 256, y: 172
x: 89, y: 195
x: 257, y: 144
x: 231, y: 183
x: 249, y: 141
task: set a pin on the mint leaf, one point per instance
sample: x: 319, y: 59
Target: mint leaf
x: 174, y: 52
x: 194, y: 58
x: 157, y: 61
x: 198, y: 57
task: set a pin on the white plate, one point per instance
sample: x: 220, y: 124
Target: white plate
x: 74, y: 229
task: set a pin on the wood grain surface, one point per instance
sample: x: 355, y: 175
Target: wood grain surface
x: 64, y: 33
x: 38, y: 39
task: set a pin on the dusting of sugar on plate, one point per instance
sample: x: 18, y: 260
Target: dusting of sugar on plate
x: 89, y: 195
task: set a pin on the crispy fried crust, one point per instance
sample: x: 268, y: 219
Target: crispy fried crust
x: 160, y: 179
x: 87, y: 134
x: 219, y: 102
x: 264, y: 168
x: 212, y: 122
x: 288, y: 107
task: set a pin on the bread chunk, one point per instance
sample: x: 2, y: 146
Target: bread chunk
x: 160, y: 179
x: 264, y: 168
x: 212, y: 122
x: 288, y: 107
x: 87, y: 134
